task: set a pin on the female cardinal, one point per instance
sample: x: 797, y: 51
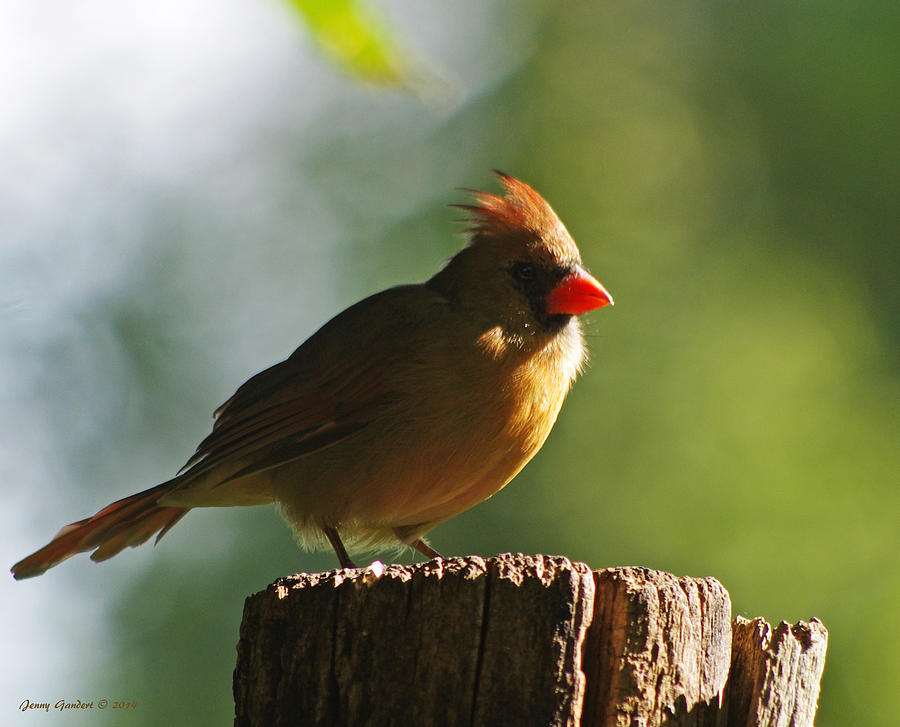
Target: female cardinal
x: 408, y: 408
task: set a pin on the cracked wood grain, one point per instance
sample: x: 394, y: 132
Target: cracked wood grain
x: 518, y: 640
x: 658, y: 651
x: 775, y: 674
x: 456, y: 641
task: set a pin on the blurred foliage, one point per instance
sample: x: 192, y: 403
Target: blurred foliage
x: 352, y: 35
x: 731, y: 173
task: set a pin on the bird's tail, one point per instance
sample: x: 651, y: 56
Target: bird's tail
x: 127, y: 522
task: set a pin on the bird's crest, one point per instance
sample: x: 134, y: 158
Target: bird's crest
x: 521, y: 214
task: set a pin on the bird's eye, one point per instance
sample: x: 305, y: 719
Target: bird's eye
x: 524, y: 271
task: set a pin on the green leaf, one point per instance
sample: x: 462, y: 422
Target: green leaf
x: 349, y: 32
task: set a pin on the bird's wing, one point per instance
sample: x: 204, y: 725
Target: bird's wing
x: 329, y: 389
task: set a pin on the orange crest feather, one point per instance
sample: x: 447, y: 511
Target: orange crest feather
x: 520, y: 213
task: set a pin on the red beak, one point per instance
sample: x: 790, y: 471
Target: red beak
x: 576, y: 293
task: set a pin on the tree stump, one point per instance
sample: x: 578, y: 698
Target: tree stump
x: 517, y: 640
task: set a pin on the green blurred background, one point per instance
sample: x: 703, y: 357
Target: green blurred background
x: 190, y: 189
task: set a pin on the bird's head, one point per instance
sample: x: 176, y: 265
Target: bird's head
x: 521, y: 268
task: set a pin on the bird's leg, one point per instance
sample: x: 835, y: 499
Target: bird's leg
x: 425, y: 549
x: 339, y: 549
x: 404, y: 532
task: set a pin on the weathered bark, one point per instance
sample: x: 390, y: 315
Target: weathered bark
x: 658, y: 649
x: 450, y: 642
x: 517, y: 640
x: 775, y: 675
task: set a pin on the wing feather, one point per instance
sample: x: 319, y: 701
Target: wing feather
x: 316, y: 398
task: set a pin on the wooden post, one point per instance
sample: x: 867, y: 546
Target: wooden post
x: 517, y: 640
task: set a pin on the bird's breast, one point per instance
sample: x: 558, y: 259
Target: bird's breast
x: 474, y: 435
x: 452, y: 435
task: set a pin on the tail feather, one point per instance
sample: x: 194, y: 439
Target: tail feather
x: 128, y: 522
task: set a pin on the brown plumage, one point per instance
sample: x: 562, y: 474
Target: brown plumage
x: 406, y: 409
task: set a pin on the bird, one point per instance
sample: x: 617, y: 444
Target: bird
x: 403, y: 411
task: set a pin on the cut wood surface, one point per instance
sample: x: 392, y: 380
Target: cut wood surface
x: 517, y: 640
